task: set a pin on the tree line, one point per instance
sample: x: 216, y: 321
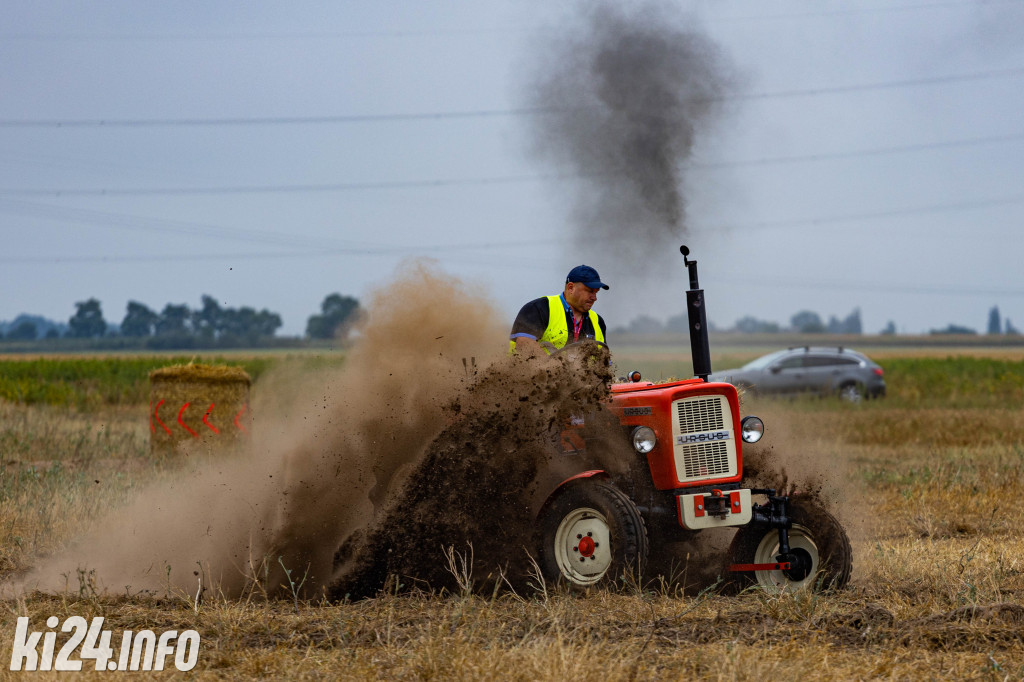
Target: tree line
x: 807, y: 322
x: 179, y: 326
x: 804, y: 322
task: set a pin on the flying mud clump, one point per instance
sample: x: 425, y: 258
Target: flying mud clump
x: 478, y: 488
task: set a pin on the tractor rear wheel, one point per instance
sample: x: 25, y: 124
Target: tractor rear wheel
x: 816, y: 539
x: 592, y: 533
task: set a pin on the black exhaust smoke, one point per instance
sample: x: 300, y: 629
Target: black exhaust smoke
x: 627, y: 91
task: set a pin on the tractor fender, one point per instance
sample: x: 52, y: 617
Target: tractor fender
x: 572, y: 480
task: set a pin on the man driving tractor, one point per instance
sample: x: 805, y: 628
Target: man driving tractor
x: 551, y: 322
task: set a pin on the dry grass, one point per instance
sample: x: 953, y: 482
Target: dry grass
x: 930, y: 494
x: 61, y: 469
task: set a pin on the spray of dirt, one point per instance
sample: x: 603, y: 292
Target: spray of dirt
x: 327, y: 454
x: 406, y: 451
x: 479, y: 487
x: 629, y: 90
x: 795, y: 457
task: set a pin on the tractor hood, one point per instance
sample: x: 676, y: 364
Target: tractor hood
x: 695, y: 424
x: 650, y: 385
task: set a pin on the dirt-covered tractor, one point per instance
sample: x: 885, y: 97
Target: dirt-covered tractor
x: 687, y: 440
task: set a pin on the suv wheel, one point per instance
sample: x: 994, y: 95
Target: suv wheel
x: 851, y: 393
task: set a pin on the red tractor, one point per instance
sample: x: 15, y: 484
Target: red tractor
x: 687, y: 476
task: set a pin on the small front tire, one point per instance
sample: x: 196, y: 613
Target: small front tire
x: 816, y: 537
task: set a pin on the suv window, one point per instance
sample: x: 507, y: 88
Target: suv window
x: 791, y: 362
x: 827, y: 361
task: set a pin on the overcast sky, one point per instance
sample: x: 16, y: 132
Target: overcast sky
x: 860, y: 154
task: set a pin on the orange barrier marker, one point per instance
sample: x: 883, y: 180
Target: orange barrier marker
x: 158, y: 420
x: 183, y: 424
x: 206, y: 418
x: 237, y: 416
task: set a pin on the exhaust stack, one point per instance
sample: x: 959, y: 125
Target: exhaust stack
x: 696, y: 313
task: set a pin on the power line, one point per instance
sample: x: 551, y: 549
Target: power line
x: 483, y: 113
x: 859, y: 153
x: 862, y: 286
x: 124, y: 221
x: 888, y: 85
x: 234, y: 256
x: 334, y: 247
x: 162, y: 225
x: 295, y: 35
x: 285, y: 189
x: 444, y: 32
x: 271, y: 120
x: 966, y: 205
x: 728, y: 279
x: 885, y: 9
x: 495, y: 180
x: 512, y: 179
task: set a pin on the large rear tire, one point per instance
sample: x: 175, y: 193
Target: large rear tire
x: 592, y: 534
x: 816, y: 536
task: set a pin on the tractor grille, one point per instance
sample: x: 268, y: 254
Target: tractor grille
x: 705, y: 459
x: 701, y: 414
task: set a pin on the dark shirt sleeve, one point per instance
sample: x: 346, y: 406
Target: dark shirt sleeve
x: 532, y: 320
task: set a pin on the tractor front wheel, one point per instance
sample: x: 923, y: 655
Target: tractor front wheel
x: 592, y: 533
x: 821, y: 547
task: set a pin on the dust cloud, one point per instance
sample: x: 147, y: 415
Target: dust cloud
x: 429, y: 437
x: 327, y: 451
x: 796, y: 457
x: 481, y: 484
x: 627, y: 92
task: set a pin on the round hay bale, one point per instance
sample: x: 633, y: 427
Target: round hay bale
x: 208, y: 404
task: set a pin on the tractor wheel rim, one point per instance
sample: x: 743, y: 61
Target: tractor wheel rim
x: 799, y: 540
x: 583, y: 548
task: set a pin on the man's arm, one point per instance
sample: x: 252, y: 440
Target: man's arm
x: 529, y: 326
x: 528, y: 347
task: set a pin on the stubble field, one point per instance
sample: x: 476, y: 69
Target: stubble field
x: 927, y: 481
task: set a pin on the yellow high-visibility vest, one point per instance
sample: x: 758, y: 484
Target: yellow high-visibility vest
x: 557, y: 333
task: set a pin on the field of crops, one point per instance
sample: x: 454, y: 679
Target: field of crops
x: 927, y: 481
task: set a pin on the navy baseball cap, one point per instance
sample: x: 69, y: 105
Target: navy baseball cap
x: 584, y: 274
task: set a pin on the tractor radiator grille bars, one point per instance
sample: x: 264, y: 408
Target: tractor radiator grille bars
x: 705, y: 459
x: 699, y: 414
x: 704, y: 439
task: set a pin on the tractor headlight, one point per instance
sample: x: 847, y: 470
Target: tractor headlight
x: 752, y: 428
x: 644, y: 439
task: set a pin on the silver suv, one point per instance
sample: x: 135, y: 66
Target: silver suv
x: 827, y: 371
